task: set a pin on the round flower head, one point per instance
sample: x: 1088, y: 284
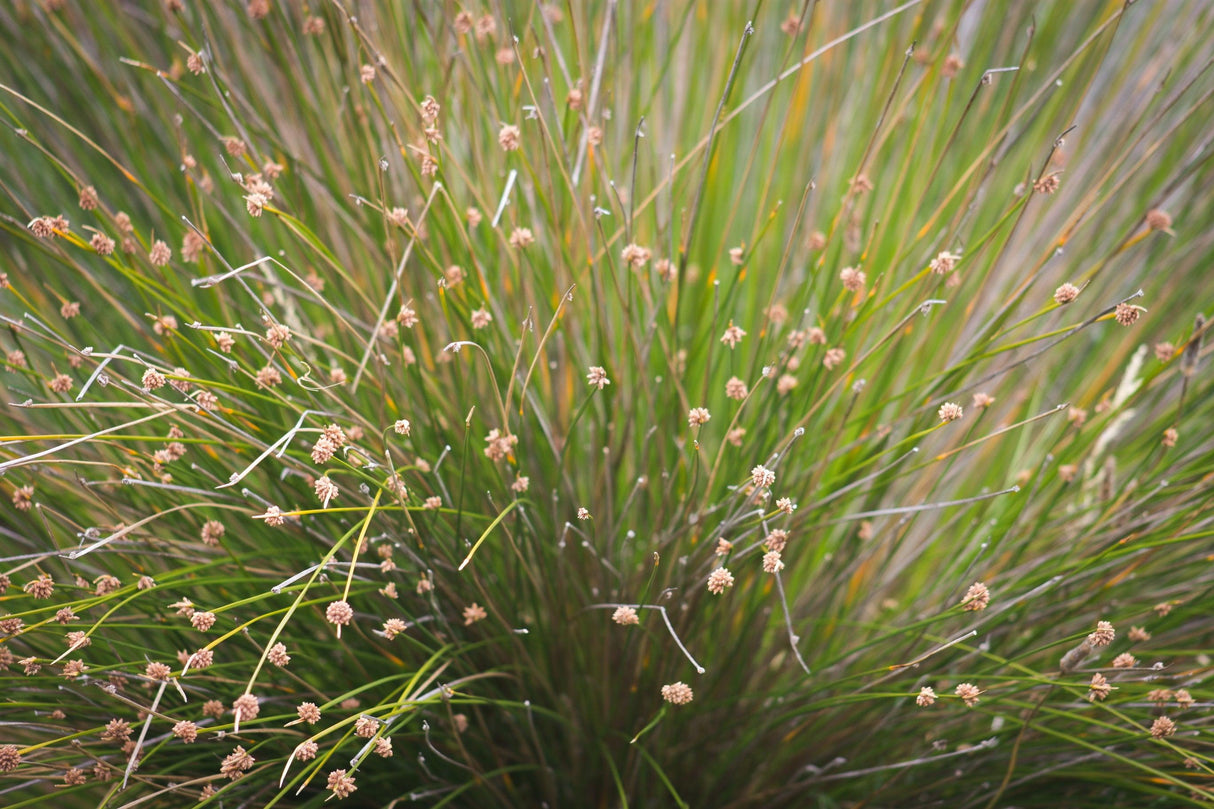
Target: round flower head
x: 1127, y: 315
x: 719, y: 581
x: 853, y: 279
x: 944, y: 262
x: 339, y: 613
x: 927, y: 696
x: 1162, y: 726
x: 983, y: 400
x: 772, y: 562
x: 1066, y: 293
x: 1047, y: 184
x: 969, y: 693
x: 509, y: 137
x: 1099, y: 687
x: 474, y: 612
x: 521, y: 238
x: 762, y: 476
x: 625, y: 616
x: 733, y: 335
x: 1158, y: 219
x: 977, y: 597
x: 598, y: 377
x: 950, y: 411
x: 341, y: 784
x: 237, y: 764
x: 677, y: 693
x: 10, y: 757
x: 1103, y: 635
x: 308, y: 712
x: 635, y: 256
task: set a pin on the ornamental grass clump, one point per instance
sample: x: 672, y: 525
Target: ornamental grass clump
x: 680, y: 404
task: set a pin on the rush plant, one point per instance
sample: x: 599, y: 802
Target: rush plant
x: 700, y: 404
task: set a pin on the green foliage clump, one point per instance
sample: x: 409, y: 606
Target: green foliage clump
x: 621, y: 403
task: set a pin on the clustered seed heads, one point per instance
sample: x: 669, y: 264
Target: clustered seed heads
x: 1162, y: 726
x: 1099, y: 688
x: 1158, y: 219
x: 761, y: 476
x: 339, y: 613
x: 277, y: 335
x: 625, y: 616
x: 719, y: 581
x: 977, y: 597
x: 950, y: 411
x: 1103, y: 635
x: 499, y: 445
x: 969, y: 694
x: 677, y: 693
x: 1047, y: 184
x: 733, y: 335
x: 853, y: 279
x: 944, y: 262
x: 597, y: 376
x: 521, y: 238
x: 341, y: 784
x: 833, y: 357
x: 308, y: 712
x: 1066, y: 293
x: 635, y: 256
x: 202, y: 621
x: 509, y: 137
x: 1127, y: 314
x: 186, y: 730
x: 474, y: 612
x: 237, y: 763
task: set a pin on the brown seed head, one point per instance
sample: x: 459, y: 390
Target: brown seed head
x: 1126, y: 314
x: 509, y: 137
x: 1158, y: 219
x: 625, y: 616
x: 677, y: 693
x: 1066, y: 293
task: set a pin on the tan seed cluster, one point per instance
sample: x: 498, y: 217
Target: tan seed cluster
x: 969, y: 694
x: 719, y: 581
x: 677, y: 693
x: 977, y: 597
x: 625, y: 616
x: 950, y: 411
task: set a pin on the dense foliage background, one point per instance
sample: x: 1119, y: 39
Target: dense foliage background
x: 707, y: 404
